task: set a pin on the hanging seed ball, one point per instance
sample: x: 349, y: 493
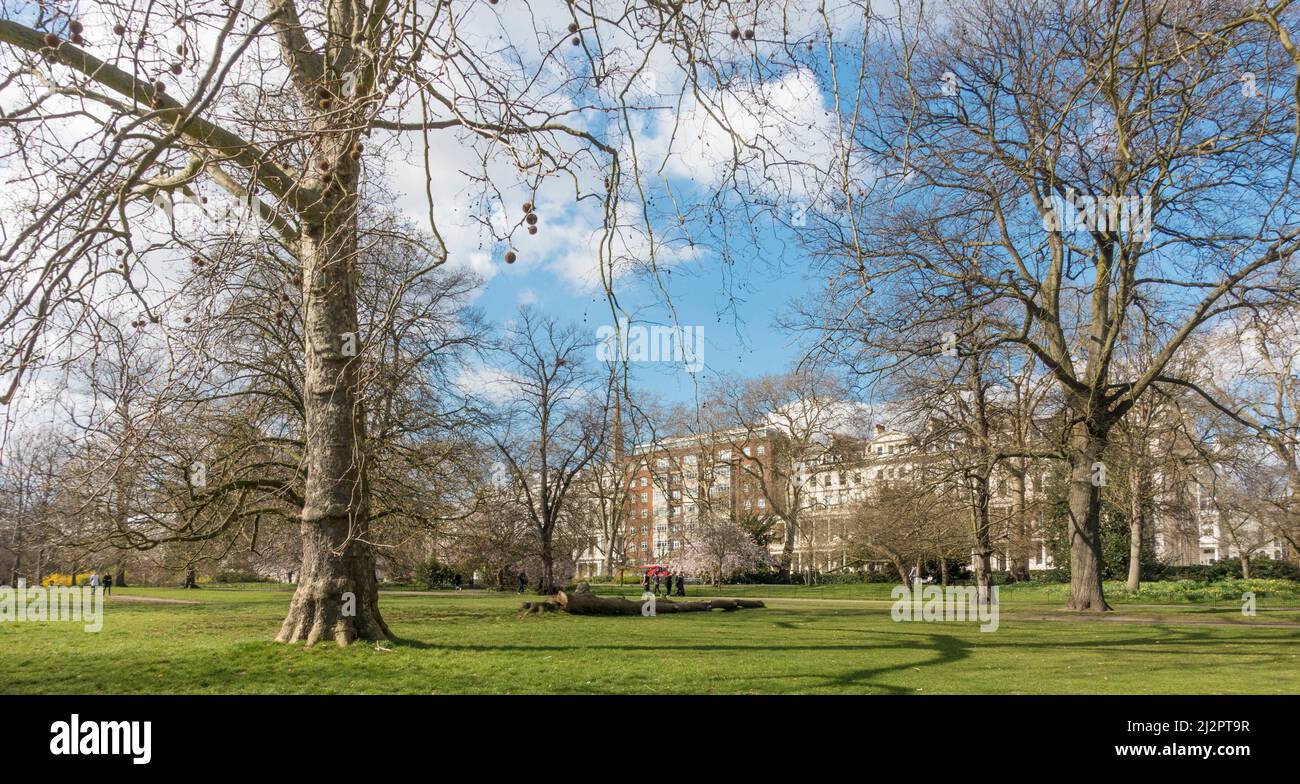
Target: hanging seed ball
x: 573, y: 27
x: 324, y: 165
x: 180, y: 49
x: 531, y: 218
x: 187, y: 319
x: 354, y: 154
x: 576, y: 41
x: 325, y: 104
x: 119, y: 29
x: 51, y: 40
x: 76, y: 26
x: 159, y: 87
x: 77, y: 39
x: 176, y: 68
x: 749, y: 34
x: 532, y: 229
x: 528, y: 207
x: 735, y: 33
x: 510, y: 257
x: 197, y: 260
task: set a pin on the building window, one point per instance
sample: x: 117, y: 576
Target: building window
x: 762, y: 450
x: 762, y: 503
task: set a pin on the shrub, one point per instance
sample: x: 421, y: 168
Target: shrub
x: 1050, y: 576
x: 433, y: 574
x: 238, y: 576
x: 65, y: 580
x: 1230, y: 569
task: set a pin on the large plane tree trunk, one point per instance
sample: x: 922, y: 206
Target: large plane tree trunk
x: 1084, y: 524
x: 337, y: 593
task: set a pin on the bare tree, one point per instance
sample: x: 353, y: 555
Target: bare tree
x: 552, y: 423
x: 1057, y: 170
x: 267, y: 108
x: 799, y: 417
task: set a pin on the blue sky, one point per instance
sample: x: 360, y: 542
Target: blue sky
x: 738, y: 317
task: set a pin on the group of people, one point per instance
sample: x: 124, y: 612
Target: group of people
x: 672, y: 585
x: 667, y: 581
x: 106, y: 582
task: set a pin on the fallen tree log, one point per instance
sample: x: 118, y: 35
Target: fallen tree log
x: 584, y: 602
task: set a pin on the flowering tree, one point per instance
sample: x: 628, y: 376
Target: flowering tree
x: 719, y: 547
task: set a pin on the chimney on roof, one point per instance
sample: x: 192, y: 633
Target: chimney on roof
x: 880, y: 430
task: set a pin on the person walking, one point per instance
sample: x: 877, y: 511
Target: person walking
x: 108, y: 584
x: 645, y: 582
x: 656, y: 583
x: 456, y: 581
x: 94, y: 580
x: 681, y: 585
x: 523, y: 581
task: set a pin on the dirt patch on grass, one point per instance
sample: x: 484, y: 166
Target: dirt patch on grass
x: 123, y: 599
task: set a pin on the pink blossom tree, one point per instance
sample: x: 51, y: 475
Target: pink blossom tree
x: 718, y: 547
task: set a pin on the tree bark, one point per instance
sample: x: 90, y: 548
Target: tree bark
x: 1245, y: 566
x: 1020, y: 520
x: 1084, y: 524
x: 902, y: 573
x: 980, y: 524
x: 546, y: 584
x: 1135, y: 530
x: 337, y: 596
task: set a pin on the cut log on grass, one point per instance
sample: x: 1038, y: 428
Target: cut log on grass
x: 584, y: 602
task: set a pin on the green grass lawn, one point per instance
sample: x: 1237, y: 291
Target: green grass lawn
x: 819, y: 639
